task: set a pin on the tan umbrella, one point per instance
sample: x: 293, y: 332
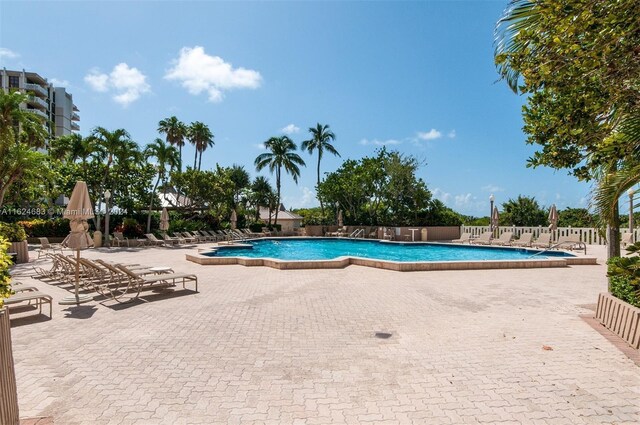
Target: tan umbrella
x: 340, y: 219
x: 553, y: 218
x: 78, y: 211
x: 495, y: 218
x: 234, y: 219
x: 164, y: 220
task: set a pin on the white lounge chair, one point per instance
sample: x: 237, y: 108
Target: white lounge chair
x: 525, y: 240
x: 483, y: 239
x: 626, y: 239
x: 465, y: 237
x: 543, y: 241
x: 504, y: 239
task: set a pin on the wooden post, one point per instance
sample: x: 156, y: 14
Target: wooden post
x: 9, y: 414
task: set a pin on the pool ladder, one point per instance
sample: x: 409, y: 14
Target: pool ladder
x: 358, y: 233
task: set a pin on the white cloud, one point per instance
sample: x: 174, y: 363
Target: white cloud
x: 290, y: 129
x: 376, y: 142
x: 199, y: 72
x: 492, y: 188
x: 127, y: 83
x: 6, y: 53
x: 451, y: 134
x: 429, y: 135
x: 464, y: 200
x: 59, y: 83
x: 441, y: 195
x: 260, y: 146
x: 304, y: 198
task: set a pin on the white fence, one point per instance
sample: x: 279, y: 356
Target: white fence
x: 586, y: 234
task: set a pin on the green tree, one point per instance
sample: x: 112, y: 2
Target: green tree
x: 576, y: 217
x: 201, y: 137
x: 378, y: 190
x: 241, y: 180
x: 282, y: 155
x: 175, y: 132
x: 523, y: 211
x: 21, y: 132
x: 167, y: 159
x: 262, y: 194
x: 321, y: 138
x: 577, y: 63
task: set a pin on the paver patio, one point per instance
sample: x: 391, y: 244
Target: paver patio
x: 259, y: 345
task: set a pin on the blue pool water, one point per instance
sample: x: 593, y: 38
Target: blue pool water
x: 327, y: 249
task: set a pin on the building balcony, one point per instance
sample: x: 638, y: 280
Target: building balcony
x: 37, y: 89
x: 37, y: 102
x: 75, y: 117
x: 75, y: 108
x: 38, y: 112
x: 75, y: 126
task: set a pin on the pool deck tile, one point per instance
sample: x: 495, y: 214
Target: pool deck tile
x: 259, y: 345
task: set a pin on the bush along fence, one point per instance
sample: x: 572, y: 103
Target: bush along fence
x: 588, y: 235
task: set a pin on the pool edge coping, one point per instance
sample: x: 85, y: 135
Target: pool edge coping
x: 345, y: 261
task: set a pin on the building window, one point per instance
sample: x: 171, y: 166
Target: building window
x: 14, y: 81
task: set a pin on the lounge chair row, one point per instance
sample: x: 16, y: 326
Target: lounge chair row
x: 525, y: 240
x: 121, y: 282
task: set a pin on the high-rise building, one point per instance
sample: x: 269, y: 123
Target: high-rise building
x: 52, y: 103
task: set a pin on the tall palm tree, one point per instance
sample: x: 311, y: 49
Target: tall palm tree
x: 321, y: 138
x: 282, y: 155
x: 201, y: 137
x: 167, y: 159
x: 110, y: 146
x: 241, y: 180
x: 176, y: 132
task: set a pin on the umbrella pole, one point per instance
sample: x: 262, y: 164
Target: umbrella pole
x: 77, y: 275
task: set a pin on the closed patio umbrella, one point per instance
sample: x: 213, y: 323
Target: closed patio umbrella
x: 340, y: 219
x: 553, y: 218
x: 164, y: 220
x: 495, y: 218
x: 78, y: 211
x: 234, y: 219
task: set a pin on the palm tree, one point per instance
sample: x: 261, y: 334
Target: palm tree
x: 281, y: 155
x: 175, y: 131
x: 110, y: 146
x: 262, y: 191
x: 321, y: 141
x: 18, y: 124
x: 201, y: 137
x: 240, y: 178
x: 167, y: 158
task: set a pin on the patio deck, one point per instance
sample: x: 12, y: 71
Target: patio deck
x: 258, y: 345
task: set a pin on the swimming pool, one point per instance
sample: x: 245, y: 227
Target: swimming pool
x: 329, y: 249
x: 331, y: 253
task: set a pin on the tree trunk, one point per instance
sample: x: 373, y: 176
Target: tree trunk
x: 318, y: 195
x: 153, y: 196
x: 195, y: 159
x: 180, y: 159
x: 200, y: 161
x: 275, y: 221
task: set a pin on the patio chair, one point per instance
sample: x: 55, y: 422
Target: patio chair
x: 373, y: 234
x: 465, y: 237
x: 192, y: 237
x: 207, y: 237
x: 119, y: 239
x: 525, y: 240
x: 174, y: 240
x: 543, y: 241
x: 483, y: 239
x: 40, y: 298
x: 388, y: 234
x: 137, y: 283
x: 504, y: 239
x: 47, y: 248
x: 571, y: 242
x: 153, y: 241
x: 266, y: 231
x: 626, y: 239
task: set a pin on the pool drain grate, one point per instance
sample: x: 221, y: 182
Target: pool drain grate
x: 383, y: 335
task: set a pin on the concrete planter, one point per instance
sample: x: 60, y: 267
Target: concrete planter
x: 619, y: 317
x: 22, y: 249
x: 9, y: 414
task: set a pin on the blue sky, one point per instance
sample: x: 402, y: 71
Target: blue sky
x: 416, y: 76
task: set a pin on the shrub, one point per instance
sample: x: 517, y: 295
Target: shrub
x: 12, y: 232
x: 624, y: 277
x: 130, y: 228
x: 36, y: 228
x: 256, y: 227
x: 5, y: 278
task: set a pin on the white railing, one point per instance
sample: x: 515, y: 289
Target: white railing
x: 587, y: 235
x: 36, y: 88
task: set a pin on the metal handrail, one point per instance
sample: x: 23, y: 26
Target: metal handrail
x: 560, y: 244
x: 356, y: 233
